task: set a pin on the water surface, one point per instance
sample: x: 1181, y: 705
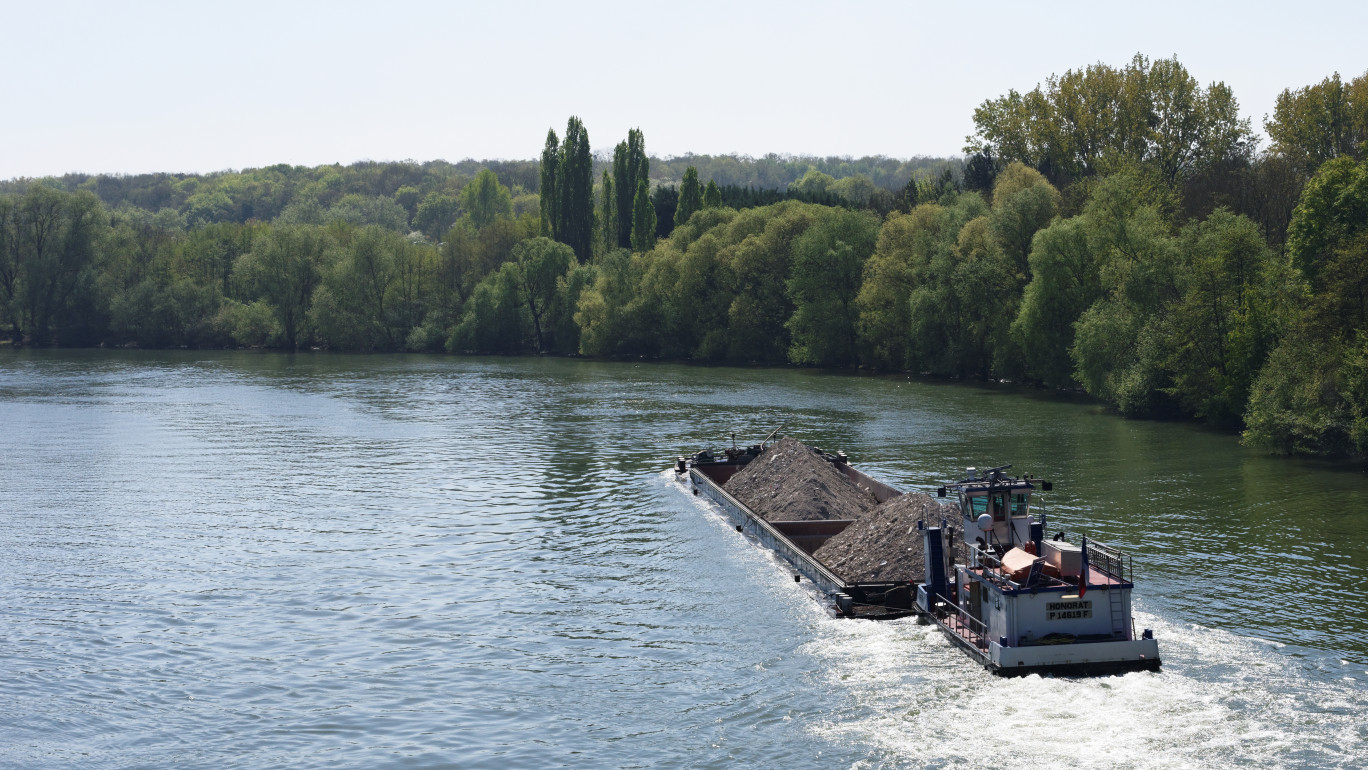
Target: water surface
x: 256, y: 560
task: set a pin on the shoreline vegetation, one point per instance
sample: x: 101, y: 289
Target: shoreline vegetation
x: 1116, y: 230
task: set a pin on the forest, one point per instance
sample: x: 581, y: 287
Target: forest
x: 1117, y: 230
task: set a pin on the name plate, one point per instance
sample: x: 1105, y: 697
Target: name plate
x: 1070, y: 610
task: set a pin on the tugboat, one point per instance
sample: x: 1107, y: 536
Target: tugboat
x: 1020, y: 603
x: 1016, y: 602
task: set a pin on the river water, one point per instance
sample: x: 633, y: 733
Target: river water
x: 250, y: 560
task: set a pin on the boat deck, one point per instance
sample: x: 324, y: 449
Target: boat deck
x: 1098, y: 580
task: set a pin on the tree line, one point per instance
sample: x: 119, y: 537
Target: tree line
x: 1115, y: 230
x: 422, y: 198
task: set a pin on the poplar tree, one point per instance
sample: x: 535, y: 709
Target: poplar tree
x: 712, y: 196
x: 690, y: 197
x: 630, y: 166
x: 550, y: 194
x: 643, y: 219
x: 576, y: 187
x: 608, y: 218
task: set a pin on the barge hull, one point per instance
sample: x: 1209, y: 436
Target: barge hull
x: 850, y: 599
x: 1077, y: 659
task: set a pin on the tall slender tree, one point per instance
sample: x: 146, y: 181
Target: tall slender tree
x: 643, y: 218
x: 712, y: 196
x: 630, y: 166
x: 690, y: 197
x: 550, y: 189
x: 576, y: 187
x: 608, y: 218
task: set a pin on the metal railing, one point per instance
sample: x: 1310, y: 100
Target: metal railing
x: 960, y: 621
x: 1104, y: 558
x: 1110, y: 561
x: 989, y: 562
x: 973, y: 629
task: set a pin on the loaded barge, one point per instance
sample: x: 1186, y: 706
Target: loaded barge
x: 1014, y: 601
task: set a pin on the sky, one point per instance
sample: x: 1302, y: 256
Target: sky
x: 133, y: 87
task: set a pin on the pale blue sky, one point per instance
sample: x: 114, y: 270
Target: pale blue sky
x: 194, y: 86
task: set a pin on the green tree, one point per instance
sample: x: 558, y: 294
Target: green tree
x: 209, y: 207
x: 813, y: 184
x: 560, y: 320
x: 664, y: 201
x: 1296, y: 404
x: 698, y: 299
x: 541, y: 263
x: 1190, y: 127
x: 607, y: 219
x: 757, y: 265
x: 283, y: 269
x: 1309, y: 397
x: 211, y: 251
x: 485, y: 200
x: 1101, y: 119
x: 856, y: 190
x: 550, y: 200
x: 1222, y: 330
x: 1064, y: 283
x: 362, y: 301
x: 605, y: 326
x: 48, y: 245
x: 575, y: 183
x: 690, y: 196
x: 361, y: 210
x: 303, y: 211
x: 712, y: 196
x: 1119, y: 342
x: 495, y: 318
x: 643, y: 219
x: 408, y: 197
x: 1317, y: 123
x: 436, y: 214
x: 828, y: 263
x: 156, y: 296
x: 961, y: 304
x: 1333, y: 210
x: 630, y: 167
x: 1023, y: 203
x: 914, y: 251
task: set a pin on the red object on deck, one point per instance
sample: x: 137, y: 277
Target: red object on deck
x: 1083, y: 574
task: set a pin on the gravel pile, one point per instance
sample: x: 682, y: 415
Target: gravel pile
x: 885, y: 544
x: 790, y: 482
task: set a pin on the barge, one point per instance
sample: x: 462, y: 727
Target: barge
x: 1015, y: 602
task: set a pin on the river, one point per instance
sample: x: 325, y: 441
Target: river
x: 256, y: 560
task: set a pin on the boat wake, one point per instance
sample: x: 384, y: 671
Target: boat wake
x: 1220, y: 701
x: 900, y: 695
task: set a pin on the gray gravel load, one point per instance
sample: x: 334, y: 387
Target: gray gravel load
x: 790, y: 482
x: 885, y: 544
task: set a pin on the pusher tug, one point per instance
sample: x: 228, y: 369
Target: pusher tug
x: 1016, y: 602
x: 1020, y: 603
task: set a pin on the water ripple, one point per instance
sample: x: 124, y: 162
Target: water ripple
x: 241, y: 560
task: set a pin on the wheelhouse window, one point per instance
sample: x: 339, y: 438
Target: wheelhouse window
x: 978, y: 505
x: 1001, y: 504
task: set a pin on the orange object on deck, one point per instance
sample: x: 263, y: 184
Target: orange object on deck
x: 1017, y: 564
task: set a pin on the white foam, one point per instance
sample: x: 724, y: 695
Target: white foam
x: 1221, y: 700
